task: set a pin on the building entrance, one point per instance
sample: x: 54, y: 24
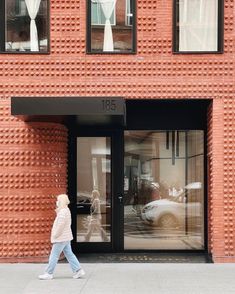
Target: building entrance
x: 142, y: 187
x: 137, y: 170
x: 99, y: 191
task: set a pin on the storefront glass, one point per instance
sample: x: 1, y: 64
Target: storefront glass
x: 164, y: 190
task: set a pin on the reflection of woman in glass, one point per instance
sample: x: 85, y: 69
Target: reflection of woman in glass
x: 95, y: 219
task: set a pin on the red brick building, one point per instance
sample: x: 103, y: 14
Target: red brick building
x: 145, y: 115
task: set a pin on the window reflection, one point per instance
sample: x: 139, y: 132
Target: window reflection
x: 164, y: 195
x: 111, y: 25
x: 93, y: 189
x: 26, y: 25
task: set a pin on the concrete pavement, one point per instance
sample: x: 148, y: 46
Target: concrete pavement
x: 121, y: 278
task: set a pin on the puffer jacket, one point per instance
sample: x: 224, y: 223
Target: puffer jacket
x: 61, y: 230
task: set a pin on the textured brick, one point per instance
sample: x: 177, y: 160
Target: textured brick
x: 27, y: 150
x: 33, y: 169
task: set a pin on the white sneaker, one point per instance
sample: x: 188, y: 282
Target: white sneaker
x: 45, y: 276
x: 79, y: 274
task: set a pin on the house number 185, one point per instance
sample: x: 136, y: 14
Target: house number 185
x: 109, y: 105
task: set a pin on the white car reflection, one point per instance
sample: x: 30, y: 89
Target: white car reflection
x: 170, y: 213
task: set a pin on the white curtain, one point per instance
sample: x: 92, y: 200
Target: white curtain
x: 108, y: 8
x: 198, y: 25
x: 33, y: 7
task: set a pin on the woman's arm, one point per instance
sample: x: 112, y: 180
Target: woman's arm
x: 60, y: 224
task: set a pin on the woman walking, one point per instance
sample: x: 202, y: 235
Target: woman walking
x: 61, y: 236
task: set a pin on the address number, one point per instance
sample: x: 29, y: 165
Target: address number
x: 109, y: 105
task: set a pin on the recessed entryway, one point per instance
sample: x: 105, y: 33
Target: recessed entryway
x: 142, y: 186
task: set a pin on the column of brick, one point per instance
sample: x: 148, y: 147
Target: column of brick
x: 209, y: 176
x: 229, y: 178
x: 33, y: 170
x: 216, y: 180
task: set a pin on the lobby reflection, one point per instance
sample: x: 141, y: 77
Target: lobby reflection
x: 164, y: 190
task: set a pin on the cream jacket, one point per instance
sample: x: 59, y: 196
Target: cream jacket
x: 61, y: 230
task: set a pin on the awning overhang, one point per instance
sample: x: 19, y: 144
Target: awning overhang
x: 86, y: 110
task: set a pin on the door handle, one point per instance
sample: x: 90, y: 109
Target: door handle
x: 120, y: 199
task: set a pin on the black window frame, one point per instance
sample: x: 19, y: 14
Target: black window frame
x: 220, y: 36
x: 3, y: 31
x: 89, y: 27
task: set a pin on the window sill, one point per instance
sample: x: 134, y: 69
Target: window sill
x: 197, y: 52
x: 114, y: 27
x: 111, y: 52
x: 25, y: 53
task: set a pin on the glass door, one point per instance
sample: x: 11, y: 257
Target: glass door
x: 164, y: 190
x: 94, y: 190
x: 99, y: 185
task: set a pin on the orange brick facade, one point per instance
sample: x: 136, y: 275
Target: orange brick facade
x: 33, y: 157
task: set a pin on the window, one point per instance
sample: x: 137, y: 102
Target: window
x: 129, y: 12
x: 198, y: 26
x: 24, y: 26
x: 164, y: 191
x: 97, y: 14
x: 111, y: 26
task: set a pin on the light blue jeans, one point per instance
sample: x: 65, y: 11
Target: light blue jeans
x: 56, y: 250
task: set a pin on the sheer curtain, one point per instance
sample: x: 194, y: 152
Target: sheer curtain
x: 33, y: 7
x: 107, y: 8
x: 198, y: 25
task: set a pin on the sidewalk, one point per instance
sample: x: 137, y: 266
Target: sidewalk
x: 121, y: 278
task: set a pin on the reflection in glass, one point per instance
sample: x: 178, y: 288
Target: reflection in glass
x: 93, y: 189
x: 111, y: 25
x: 26, y: 25
x: 163, y: 187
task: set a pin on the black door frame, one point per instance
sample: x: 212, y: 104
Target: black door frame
x: 117, y: 236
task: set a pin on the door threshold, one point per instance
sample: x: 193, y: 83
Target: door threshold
x: 144, y: 258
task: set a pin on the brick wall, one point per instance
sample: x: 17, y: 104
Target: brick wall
x: 154, y: 72
x: 33, y: 169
